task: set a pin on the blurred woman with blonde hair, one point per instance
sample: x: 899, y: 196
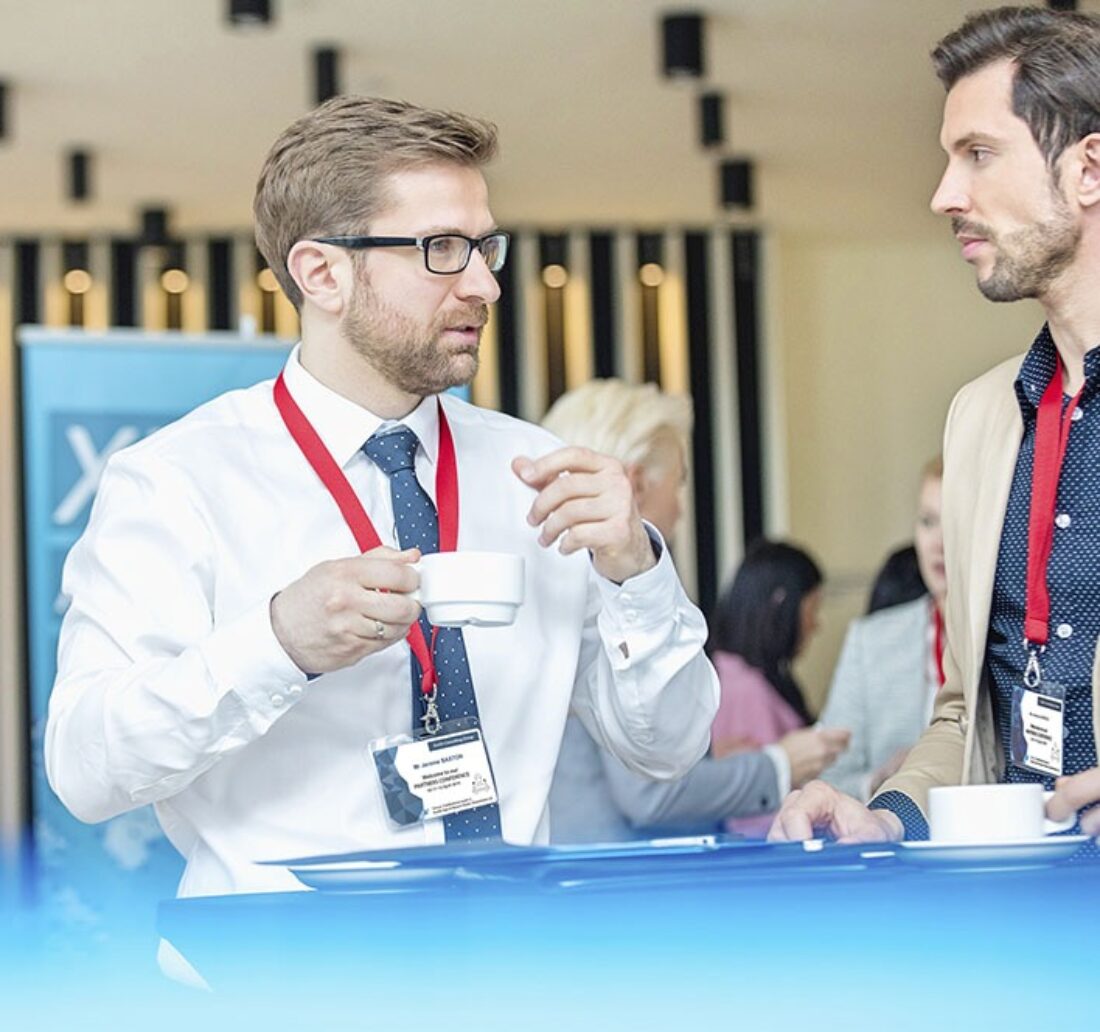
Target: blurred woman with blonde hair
x: 594, y: 798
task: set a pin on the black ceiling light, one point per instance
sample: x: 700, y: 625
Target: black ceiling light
x: 78, y: 166
x: 74, y: 255
x: 712, y: 119
x: 3, y: 110
x: 154, y: 226
x: 247, y: 13
x: 326, y: 73
x: 736, y: 183
x: 682, y: 38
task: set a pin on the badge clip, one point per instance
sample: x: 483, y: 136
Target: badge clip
x: 431, y: 720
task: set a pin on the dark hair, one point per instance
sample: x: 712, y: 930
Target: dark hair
x: 1056, y: 87
x: 758, y: 616
x: 898, y: 581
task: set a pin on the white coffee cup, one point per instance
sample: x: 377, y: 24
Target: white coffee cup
x: 460, y: 588
x: 990, y: 814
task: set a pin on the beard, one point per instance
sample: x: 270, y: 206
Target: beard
x: 410, y: 355
x: 1029, y: 260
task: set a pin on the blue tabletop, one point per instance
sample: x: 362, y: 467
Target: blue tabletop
x: 751, y: 936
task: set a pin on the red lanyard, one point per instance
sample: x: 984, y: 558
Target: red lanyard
x: 1051, y: 437
x: 937, y: 623
x: 366, y: 537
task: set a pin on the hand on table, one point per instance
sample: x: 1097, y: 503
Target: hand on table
x: 821, y: 808
x: 342, y: 610
x: 1073, y: 792
x: 585, y: 501
x: 811, y: 750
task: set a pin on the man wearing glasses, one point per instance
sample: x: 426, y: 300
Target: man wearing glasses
x: 241, y: 649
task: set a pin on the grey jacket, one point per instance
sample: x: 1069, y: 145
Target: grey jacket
x: 880, y: 692
x: 594, y: 798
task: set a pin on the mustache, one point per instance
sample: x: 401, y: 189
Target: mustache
x: 960, y: 227
x: 474, y: 315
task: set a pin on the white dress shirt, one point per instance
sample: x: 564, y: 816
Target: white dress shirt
x: 173, y: 689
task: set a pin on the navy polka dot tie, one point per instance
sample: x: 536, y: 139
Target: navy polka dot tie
x: 417, y: 526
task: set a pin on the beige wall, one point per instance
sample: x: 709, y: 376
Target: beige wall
x: 866, y: 340
x: 874, y: 338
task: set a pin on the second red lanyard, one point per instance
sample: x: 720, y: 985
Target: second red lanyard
x: 1052, y: 427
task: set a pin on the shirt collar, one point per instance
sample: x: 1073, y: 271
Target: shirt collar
x: 1039, y: 366
x: 344, y: 426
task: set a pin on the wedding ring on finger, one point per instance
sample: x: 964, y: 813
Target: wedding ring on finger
x: 379, y: 629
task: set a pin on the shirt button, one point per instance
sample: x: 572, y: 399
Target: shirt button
x: 1077, y: 415
x: 294, y: 689
x: 1063, y: 520
x: 277, y: 700
x: 631, y: 615
x: 1064, y: 630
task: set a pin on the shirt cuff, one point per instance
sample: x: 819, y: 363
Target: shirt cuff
x: 245, y: 657
x: 635, y: 616
x: 899, y: 804
x: 782, y: 763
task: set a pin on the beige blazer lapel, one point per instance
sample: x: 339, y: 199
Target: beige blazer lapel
x: 982, y: 451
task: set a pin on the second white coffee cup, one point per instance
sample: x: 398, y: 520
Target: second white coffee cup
x: 480, y: 589
x: 989, y: 814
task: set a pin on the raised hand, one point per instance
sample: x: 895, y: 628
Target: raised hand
x: 585, y: 501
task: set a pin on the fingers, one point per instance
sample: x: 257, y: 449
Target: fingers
x: 537, y: 473
x: 577, y: 488
x: 836, y: 737
x: 1072, y: 793
x: 1090, y: 822
x: 385, y: 569
x: 791, y: 824
x: 578, y: 516
x: 803, y: 811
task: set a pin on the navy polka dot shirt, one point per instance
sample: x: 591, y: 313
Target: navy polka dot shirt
x: 1073, y: 580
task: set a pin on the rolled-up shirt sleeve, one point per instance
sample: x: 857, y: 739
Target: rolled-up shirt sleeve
x: 148, y: 694
x: 645, y: 688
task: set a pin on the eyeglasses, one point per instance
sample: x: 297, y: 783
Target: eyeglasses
x: 444, y: 253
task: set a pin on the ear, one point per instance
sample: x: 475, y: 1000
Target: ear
x: 1088, y: 183
x: 323, y: 274
x: 638, y: 482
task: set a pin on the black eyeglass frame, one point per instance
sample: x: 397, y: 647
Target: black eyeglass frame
x: 357, y: 243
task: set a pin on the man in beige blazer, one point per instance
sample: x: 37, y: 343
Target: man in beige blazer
x: 1021, y: 129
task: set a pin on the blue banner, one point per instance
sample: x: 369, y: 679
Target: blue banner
x: 84, y: 397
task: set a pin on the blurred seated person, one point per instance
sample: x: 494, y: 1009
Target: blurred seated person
x: 763, y: 620
x: 891, y: 665
x: 594, y: 798
x: 897, y: 581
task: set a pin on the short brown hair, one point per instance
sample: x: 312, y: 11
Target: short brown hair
x: 1056, y: 54
x: 326, y: 173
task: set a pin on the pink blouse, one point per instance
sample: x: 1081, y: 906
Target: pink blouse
x: 751, y: 714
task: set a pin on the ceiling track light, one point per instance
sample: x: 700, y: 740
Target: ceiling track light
x: 682, y: 45
x: 74, y: 255
x: 326, y: 73
x: 712, y: 119
x: 249, y: 13
x: 78, y: 164
x: 736, y: 183
x: 154, y: 227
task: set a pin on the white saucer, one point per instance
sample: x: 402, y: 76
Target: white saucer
x: 1001, y: 855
